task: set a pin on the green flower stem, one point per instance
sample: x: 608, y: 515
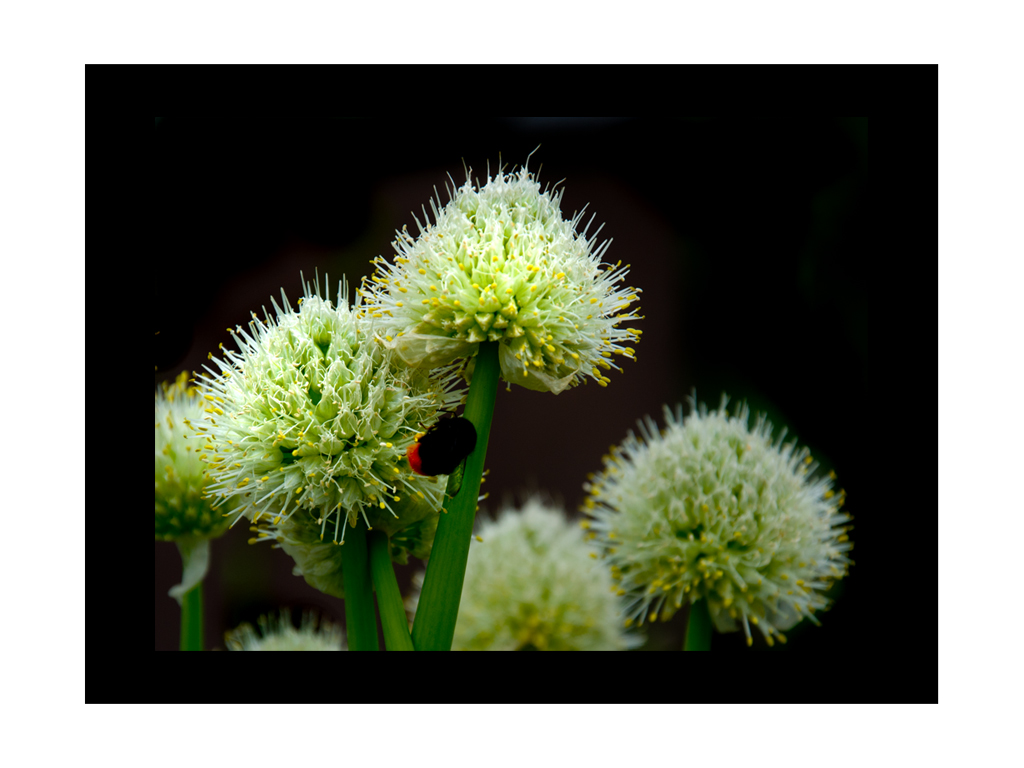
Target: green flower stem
x: 698, y: 627
x: 389, y: 599
x: 442, y: 585
x: 192, y: 619
x: 360, y: 618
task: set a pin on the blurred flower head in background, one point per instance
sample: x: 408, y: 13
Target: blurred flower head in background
x: 709, y: 507
x: 278, y: 634
x: 533, y: 583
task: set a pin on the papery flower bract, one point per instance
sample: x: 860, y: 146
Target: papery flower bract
x: 533, y: 583
x: 711, y: 508
x: 500, y: 263
x: 278, y: 634
x: 183, y: 513
x: 307, y: 426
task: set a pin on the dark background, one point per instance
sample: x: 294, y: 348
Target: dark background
x: 748, y: 237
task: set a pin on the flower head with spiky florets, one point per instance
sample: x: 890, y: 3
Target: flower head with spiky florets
x: 533, y: 582
x: 184, y: 512
x: 500, y: 263
x: 182, y: 509
x: 307, y: 426
x: 278, y: 634
x: 710, y: 508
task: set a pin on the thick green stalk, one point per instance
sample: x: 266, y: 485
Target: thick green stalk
x: 698, y: 627
x: 389, y: 598
x: 360, y: 618
x: 192, y: 619
x: 434, y: 627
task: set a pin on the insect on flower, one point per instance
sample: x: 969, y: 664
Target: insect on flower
x: 443, y: 449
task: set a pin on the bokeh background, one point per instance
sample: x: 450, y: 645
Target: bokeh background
x: 747, y: 236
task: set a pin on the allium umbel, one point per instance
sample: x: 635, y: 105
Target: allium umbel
x: 307, y: 427
x: 277, y: 633
x: 533, y: 583
x: 184, y: 513
x: 711, y: 508
x: 182, y: 508
x: 500, y: 263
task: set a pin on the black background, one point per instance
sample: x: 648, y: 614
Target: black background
x: 747, y: 235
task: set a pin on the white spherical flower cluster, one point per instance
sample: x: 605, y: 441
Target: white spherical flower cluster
x: 278, y: 634
x: 533, y: 583
x: 710, y: 508
x: 500, y: 264
x: 182, y: 509
x: 307, y: 427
